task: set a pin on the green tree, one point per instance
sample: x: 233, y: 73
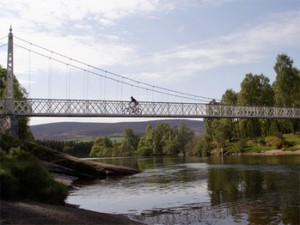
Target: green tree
x: 230, y: 97
x: 287, y: 83
x: 102, y: 147
x: 230, y: 126
x: 144, y: 147
x: 287, y: 91
x: 130, y: 142
x: 184, y: 136
x: 19, y: 93
x: 165, y: 140
x: 201, y: 147
x: 255, y: 91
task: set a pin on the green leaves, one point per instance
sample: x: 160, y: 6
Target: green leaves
x: 256, y: 90
x: 23, y: 176
x: 287, y: 84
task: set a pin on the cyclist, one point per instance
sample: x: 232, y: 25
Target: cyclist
x: 133, y: 104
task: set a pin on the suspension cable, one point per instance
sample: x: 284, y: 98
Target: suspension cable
x: 106, y: 77
x: 49, y: 75
x: 29, y: 71
x: 178, y: 93
x: 3, y: 37
x: 3, y: 45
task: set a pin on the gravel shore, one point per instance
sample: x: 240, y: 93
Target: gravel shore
x: 38, y: 213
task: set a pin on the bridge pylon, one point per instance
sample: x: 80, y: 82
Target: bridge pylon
x: 9, y: 121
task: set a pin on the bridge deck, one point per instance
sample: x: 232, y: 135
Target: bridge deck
x: 106, y: 108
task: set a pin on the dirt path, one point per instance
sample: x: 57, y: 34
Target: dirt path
x: 37, y: 213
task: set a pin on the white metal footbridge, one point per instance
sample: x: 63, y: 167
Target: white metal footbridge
x: 107, y: 108
x: 51, y: 107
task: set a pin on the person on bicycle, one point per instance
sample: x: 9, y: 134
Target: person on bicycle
x: 133, y: 103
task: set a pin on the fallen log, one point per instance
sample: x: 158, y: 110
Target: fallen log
x: 63, y: 163
x: 84, y: 168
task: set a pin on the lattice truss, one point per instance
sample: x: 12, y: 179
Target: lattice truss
x: 102, y: 108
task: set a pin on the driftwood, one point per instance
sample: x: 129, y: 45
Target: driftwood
x: 70, y: 165
x: 61, y: 163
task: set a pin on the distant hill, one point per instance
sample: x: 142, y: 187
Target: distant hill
x: 89, y: 131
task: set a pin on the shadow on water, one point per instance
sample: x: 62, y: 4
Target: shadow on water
x: 229, y: 190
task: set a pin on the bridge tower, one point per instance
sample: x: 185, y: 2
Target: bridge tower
x: 9, y: 122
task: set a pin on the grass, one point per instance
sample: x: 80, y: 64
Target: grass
x: 289, y: 142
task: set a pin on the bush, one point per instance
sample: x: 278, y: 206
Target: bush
x: 279, y: 144
x: 23, y: 176
x: 8, y: 184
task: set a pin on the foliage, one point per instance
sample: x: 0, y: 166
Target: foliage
x: 165, y: 140
x: 19, y: 93
x: 162, y: 140
x: 105, y: 147
x: 287, y: 91
x: 102, y: 147
x: 287, y: 84
x: 256, y: 90
x: 23, y: 176
x: 78, y: 149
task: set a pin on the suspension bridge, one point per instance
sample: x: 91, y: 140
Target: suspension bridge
x: 186, y: 105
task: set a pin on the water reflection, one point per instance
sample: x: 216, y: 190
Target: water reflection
x: 233, y: 190
x: 266, y: 197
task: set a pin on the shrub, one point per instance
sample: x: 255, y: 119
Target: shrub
x: 262, y: 141
x: 8, y: 184
x: 23, y: 176
x: 279, y: 144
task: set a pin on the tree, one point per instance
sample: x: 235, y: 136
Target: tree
x: 184, y: 136
x: 287, y: 91
x: 230, y: 97
x: 102, y: 147
x: 19, y: 93
x: 131, y: 141
x: 230, y: 126
x: 287, y: 83
x: 144, y: 147
x: 255, y: 91
x: 165, y: 140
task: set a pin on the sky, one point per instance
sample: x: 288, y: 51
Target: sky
x: 201, y: 47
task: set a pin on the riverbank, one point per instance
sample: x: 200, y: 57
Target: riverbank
x: 274, y: 152
x: 40, y: 213
x: 65, y: 169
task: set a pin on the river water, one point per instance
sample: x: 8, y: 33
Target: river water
x: 220, y: 190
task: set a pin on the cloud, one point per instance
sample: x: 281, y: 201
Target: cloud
x: 54, y: 15
x: 75, y: 21
x: 74, y: 27
x: 247, y: 45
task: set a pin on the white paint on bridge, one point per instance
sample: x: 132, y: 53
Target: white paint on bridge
x: 106, y: 108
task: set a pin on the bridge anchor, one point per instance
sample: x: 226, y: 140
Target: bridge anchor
x: 9, y: 125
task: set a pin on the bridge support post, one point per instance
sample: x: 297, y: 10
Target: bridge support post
x: 9, y: 125
x: 9, y: 122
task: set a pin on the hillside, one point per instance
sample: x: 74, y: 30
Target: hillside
x: 90, y: 131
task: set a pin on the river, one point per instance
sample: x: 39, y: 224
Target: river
x: 219, y: 190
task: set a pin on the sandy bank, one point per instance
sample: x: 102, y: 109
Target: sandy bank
x: 39, y: 213
x: 274, y: 152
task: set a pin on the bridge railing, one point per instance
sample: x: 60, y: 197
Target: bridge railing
x: 106, y: 108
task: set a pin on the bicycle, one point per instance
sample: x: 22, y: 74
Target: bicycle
x: 133, y: 110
